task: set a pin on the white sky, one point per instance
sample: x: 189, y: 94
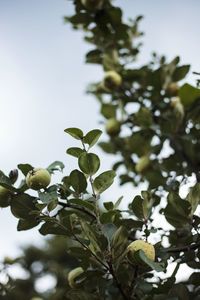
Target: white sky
x: 43, y: 78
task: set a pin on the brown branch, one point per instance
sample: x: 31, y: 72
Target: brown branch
x: 82, y: 209
x: 184, y: 248
x: 118, y: 283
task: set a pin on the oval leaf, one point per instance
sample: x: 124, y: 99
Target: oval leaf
x: 78, y: 181
x: 92, y: 137
x: 22, y: 205
x: 75, y: 132
x: 89, y: 163
x: 104, y: 181
x: 75, y: 151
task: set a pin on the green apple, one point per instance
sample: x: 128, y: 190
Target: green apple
x: 142, y: 164
x: 38, y: 178
x: 5, y: 197
x: 112, y: 81
x: 73, y: 274
x: 137, y: 245
x: 113, y: 127
x: 172, y: 89
x: 92, y: 4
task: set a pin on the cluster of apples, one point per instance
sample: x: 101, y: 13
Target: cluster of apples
x: 36, y: 179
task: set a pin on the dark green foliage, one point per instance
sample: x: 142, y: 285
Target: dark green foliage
x: 158, y: 127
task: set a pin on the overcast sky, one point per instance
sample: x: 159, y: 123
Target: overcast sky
x: 43, y: 78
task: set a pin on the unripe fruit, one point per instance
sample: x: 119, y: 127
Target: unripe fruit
x: 37, y: 179
x: 92, y: 4
x: 5, y: 197
x: 36, y: 298
x: 72, y: 276
x: 147, y: 248
x: 172, y: 89
x: 112, y: 81
x: 113, y: 127
x: 142, y: 164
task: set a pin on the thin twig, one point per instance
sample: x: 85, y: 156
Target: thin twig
x: 84, y: 210
x: 118, y: 283
x: 184, y: 248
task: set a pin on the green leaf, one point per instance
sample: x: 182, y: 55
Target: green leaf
x: 75, y: 133
x: 144, y: 117
x: 27, y: 224
x: 107, y: 147
x: 177, y: 210
x: 55, y: 166
x: 74, y: 151
x: 118, y: 202
x: 104, y: 181
x: 194, y: 197
x: 108, y: 110
x: 53, y: 228
x: 180, y: 72
x: 22, y: 205
x: 78, y: 181
x: 47, y: 197
x: 92, y: 137
x: 25, y: 168
x: 109, y: 230
x: 108, y: 217
x: 119, y: 241
x: 154, y: 265
x: 137, y: 207
x: 6, y: 182
x: 94, y: 56
x: 52, y: 205
x: 179, y: 291
x: 91, y: 234
x: 119, y: 244
x: 82, y: 203
x: 108, y: 205
x: 188, y: 94
x: 89, y: 163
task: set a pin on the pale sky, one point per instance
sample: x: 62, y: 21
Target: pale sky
x: 43, y: 78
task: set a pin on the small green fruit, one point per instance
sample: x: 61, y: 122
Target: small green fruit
x: 36, y: 298
x: 113, y: 127
x: 5, y: 197
x: 142, y: 164
x: 112, y: 81
x: 72, y: 276
x: 92, y: 4
x: 172, y: 89
x: 147, y: 248
x: 37, y: 179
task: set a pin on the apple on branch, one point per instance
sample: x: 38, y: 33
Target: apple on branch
x: 38, y: 178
